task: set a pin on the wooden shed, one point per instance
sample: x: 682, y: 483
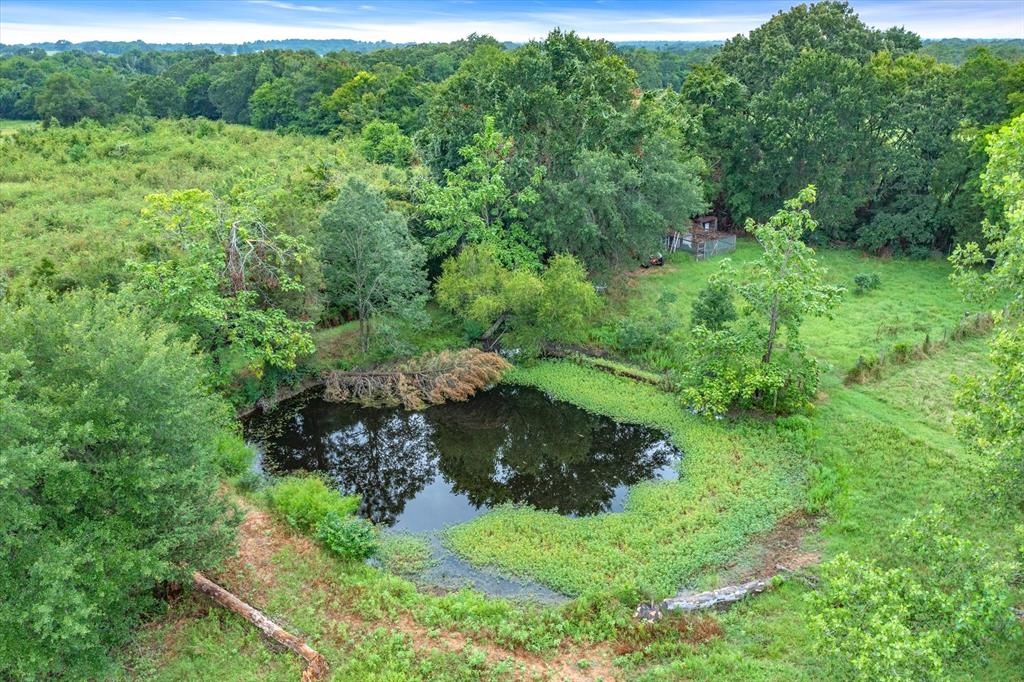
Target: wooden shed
x: 702, y: 238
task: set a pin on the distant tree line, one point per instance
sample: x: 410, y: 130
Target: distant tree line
x: 892, y: 138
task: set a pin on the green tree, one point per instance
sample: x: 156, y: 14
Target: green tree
x: 744, y: 365
x: 385, y: 142
x: 372, y: 265
x: 476, y: 205
x: 994, y: 426
x: 108, y: 438
x: 162, y: 96
x: 63, y: 98
x: 272, y: 105
x: 786, y: 284
x: 218, y: 265
x: 713, y: 308
x: 618, y: 164
x: 555, y: 305
x: 568, y: 301
x: 472, y: 285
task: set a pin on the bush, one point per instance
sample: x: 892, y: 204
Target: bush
x: 305, y: 501
x: 724, y: 370
x: 864, y: 282
x: 637, y: 334
x: 109, y: 485
x: 933, y: 600
x: 384, y: 142
x: 231, y: 455
x: 350, y: 537
x: 713, y: 308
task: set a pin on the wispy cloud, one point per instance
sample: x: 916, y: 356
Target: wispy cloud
x: 294, y: 7
x: 196, y: 21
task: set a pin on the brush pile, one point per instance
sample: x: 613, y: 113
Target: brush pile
x: 429, y: 379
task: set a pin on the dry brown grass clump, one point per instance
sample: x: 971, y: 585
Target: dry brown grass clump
x: 429, y: 379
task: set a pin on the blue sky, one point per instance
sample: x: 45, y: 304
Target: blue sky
x: 231, y: 21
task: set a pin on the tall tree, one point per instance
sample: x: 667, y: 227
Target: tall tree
x: 786, y: 283
x: 372, y: 265
x: 476, y: 205
x: 994, y: 427
x: 108, y: 443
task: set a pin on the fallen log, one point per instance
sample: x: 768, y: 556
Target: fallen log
x: 696, y: 601
x: 316, y: 665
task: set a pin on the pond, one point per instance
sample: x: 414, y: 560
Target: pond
x: 422, y: 471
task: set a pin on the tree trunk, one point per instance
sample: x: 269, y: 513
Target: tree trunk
x: 316, y: 666
x: 773, y: 328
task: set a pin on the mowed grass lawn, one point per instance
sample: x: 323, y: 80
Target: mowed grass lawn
x: 915, y: 298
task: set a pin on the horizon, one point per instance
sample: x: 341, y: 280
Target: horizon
x: 406, y: 21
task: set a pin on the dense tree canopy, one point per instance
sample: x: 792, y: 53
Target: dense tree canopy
x: 617, y: 167
x: 109, y: 486
x: 887, y: 135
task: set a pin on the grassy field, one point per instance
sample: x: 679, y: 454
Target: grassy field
x: 915, y: 299
x: 11, y: 126
x: 70, y: 197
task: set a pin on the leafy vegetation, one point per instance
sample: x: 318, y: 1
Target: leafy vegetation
x: 350, y: 537
x: 995, y: 403
x: 937, y: 600
x: 864, y: 282
x: 414, y: 198
x: 110, y: 482
x: 371, y: 263
x: 553, y: 306
x: 305, y: 501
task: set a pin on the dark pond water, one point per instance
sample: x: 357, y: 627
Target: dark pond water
x: 420, y: 471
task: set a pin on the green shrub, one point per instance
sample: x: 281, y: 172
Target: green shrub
x: 824, y: 483
x: 350, y: 537
x: 638, y: 333
x: 864, y: 282
x: 724, y: 370
x: 384, y: 142
x: 472, y: 330
x: 901, y: 352
x: 933, y: 600
x: 304, y: 501
x: 713, y: 308
x: 231, y: 455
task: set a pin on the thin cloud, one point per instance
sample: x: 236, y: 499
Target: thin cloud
x: 294, y: 7
x: 25, y: 21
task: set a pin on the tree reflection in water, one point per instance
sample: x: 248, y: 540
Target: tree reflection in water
x: 508, y: 444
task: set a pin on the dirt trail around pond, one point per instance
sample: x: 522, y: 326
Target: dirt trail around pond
x: 253, y: 575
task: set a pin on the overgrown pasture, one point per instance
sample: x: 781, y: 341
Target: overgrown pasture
x: 71, y: 197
